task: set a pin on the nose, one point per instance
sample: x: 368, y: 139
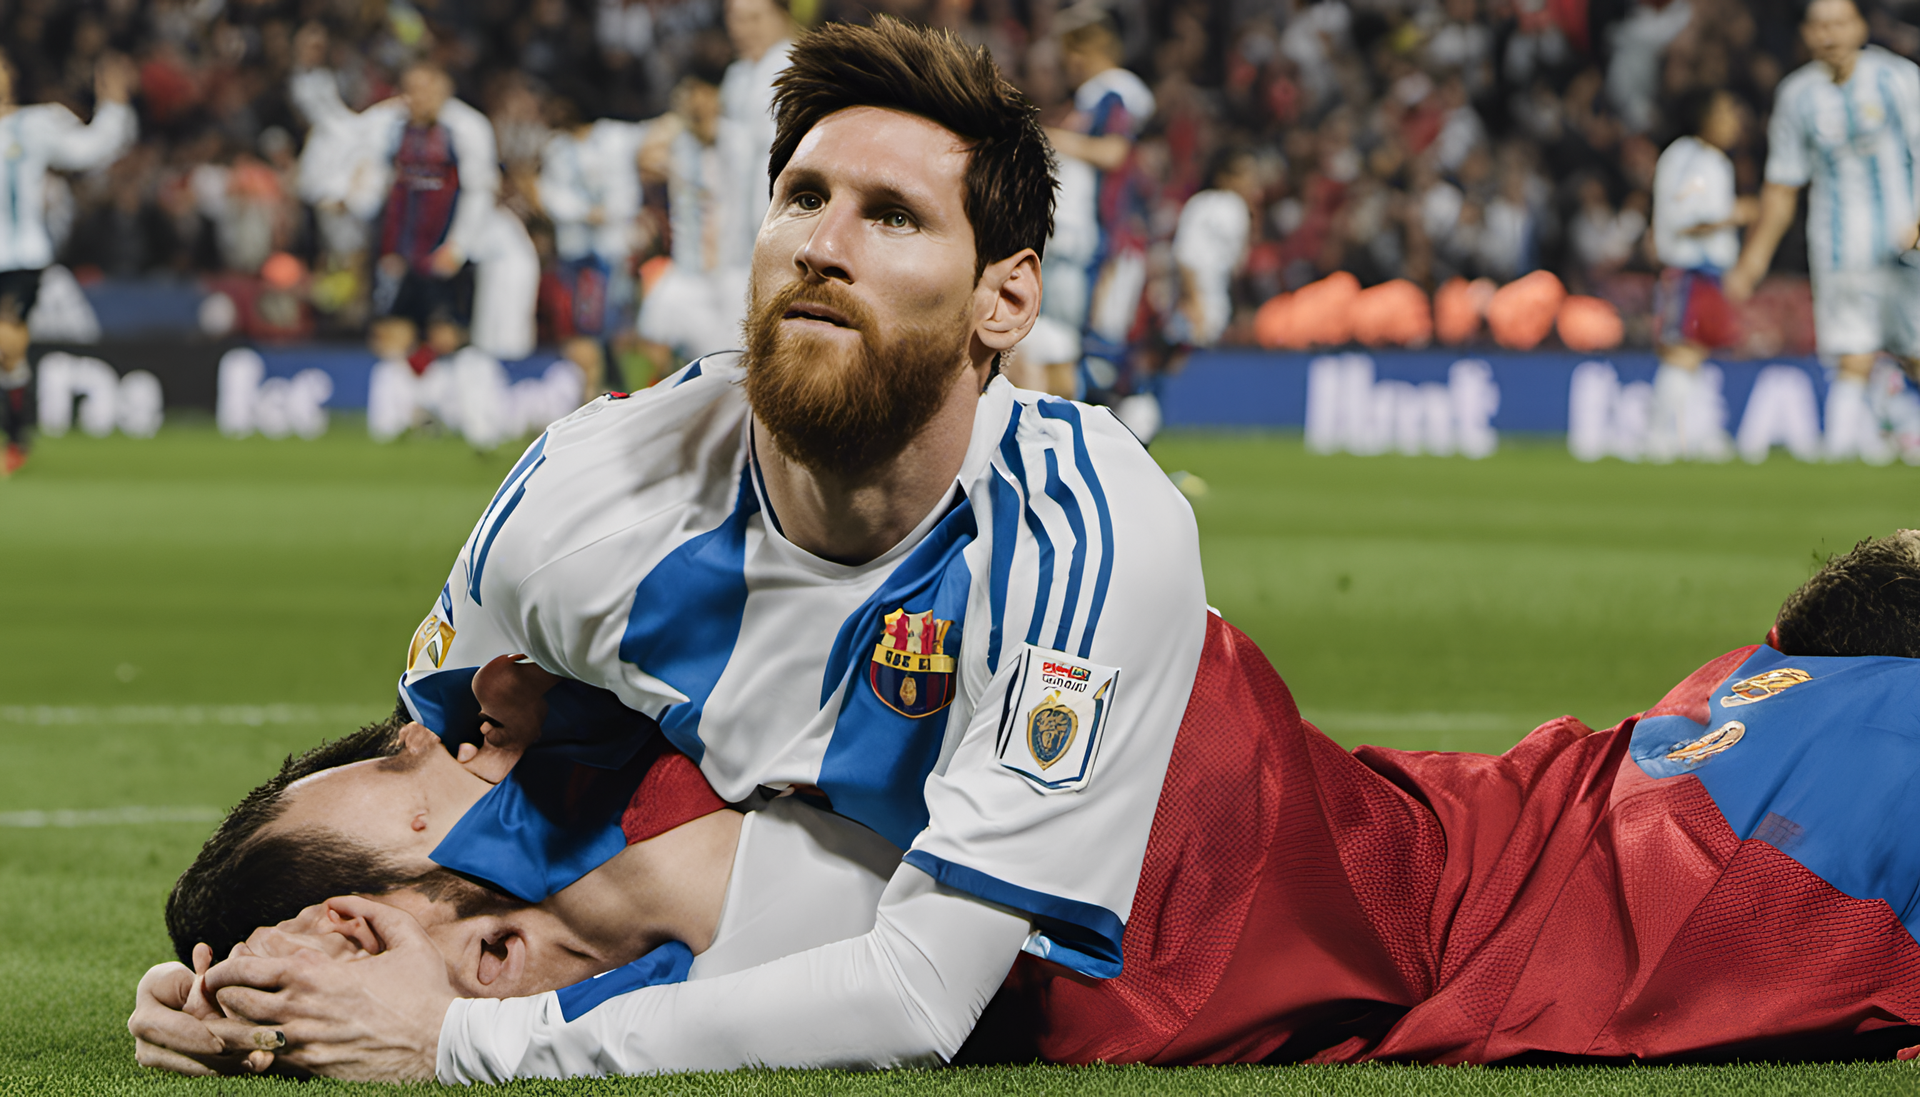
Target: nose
x: 828, y: 252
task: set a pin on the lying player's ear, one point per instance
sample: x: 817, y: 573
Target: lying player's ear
x: 502, y: 960
x: 1007, y: 298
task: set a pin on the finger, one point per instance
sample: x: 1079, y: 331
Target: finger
x: 259, y: 972
x: 259, y: 1061
x: 173, y: 1030
x: 240, y: 1037
x: 394, y: 927
x: 467, y: 751
x: 160, y: 1058
x: 250, y: 1007
x: 202, y: 958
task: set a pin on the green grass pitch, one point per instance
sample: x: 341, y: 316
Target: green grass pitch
x: 177, y: 614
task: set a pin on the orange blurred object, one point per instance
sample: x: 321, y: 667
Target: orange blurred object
x: 1588, y: 324
x: 282, y: 271
x: 1392, y: 313
x: 651, y: 272
x: 1522, y: 312
x: 1457, y: 307
x: 1316, y: 314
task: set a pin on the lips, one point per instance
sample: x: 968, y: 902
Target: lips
x: 808, y: 310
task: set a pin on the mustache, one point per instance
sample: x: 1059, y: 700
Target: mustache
x: 828, y: 302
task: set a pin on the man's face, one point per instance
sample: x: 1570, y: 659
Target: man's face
x: 426, y: 91
x: 1834, y: 32
x: 754, y: 26
x: 401, y: 806
x: 1723, y: 123
x: 863, y: 297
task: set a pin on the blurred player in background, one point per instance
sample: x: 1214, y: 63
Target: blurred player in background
x: 1695, y: 218
x: 1111, y: 108
x: 1848, y: 123
x: 32, y: 140
x: 1210, y: 243
x: 696, y: 307
x: 590, y: 188
x: 762, y: 34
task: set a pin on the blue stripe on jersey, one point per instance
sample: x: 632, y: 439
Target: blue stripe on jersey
x: 1006, y: 524
x: 876, y: 764
x: 1066, y: 412
x: 477, y: 566
x: 444, y: 704
x: 686, y: 617
x: 1079, y: 935
x: 667, y: 964
x: 537, y: 831
x: 446, y: 602
x: 533, y: 454
x: 689, y: 373
x: 1824, y: 770
x: 1057, y: 491
x: 1010, y: 453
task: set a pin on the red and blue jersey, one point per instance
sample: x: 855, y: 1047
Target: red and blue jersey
x: 420, y: 204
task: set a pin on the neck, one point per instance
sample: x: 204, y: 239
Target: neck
x: 760, y: 50
x: 1842, y: 70
x: 667, y: 888
x: 854, y: 520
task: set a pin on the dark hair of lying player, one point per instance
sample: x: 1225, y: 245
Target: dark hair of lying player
x: 931, y: 73
x: 1865, y: 601
x: 248, y: 876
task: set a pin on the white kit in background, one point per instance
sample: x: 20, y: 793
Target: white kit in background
x: 1854, y: 145
x: 1208, y: 244
x: 698, y: 305
x: 1692, y: 185
x: 469, y: 393
x: 34, y: 139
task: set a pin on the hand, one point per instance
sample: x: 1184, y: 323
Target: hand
x: 1739, y: 282
x: 175, y: 1027
x: 447, y: 261
x: 376, y: 1019
x: 1909, y: 236
x: 114, y: 78
x: 1745, y: 211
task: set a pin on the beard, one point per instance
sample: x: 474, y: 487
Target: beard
x: 844, y: 413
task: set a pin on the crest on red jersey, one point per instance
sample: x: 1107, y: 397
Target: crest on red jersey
x: 911, y: 672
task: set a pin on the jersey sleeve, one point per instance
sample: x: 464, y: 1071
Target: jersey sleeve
x: 906, y: 993
x: 74, y: 147
x: 479, y: 174
x: 1787, y: 141
x: 1046, y: 804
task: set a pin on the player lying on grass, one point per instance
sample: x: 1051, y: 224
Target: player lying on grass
x: 1730, y: 873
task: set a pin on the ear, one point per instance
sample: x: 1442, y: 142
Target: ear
x: 1007, y: 299
x: 503, y: 960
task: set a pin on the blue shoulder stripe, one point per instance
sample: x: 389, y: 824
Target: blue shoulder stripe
x: 1043, y: 590
x: 689, y: 373
x: 1061, y: 494
x: 667, y: 964
x: 1066, y: 412
x: 686, y: 617
x: 1006, y: 520
x: 479, y: 565
x: 1080, y: 936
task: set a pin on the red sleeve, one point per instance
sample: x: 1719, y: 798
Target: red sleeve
x: 672, y: 793
x: 1690, y: 697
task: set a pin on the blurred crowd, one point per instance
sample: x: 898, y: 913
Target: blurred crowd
x: 1392, y: 139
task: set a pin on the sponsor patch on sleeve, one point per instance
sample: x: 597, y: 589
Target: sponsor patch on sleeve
x: 1060, y: 704
x: 428, y: 651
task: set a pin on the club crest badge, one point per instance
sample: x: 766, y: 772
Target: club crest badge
x: 912, y: 671
x: 428, y: 651
x: 1051, y: 728
x: 1762, y: 686
x: 1051, y: 733
x: 1708, y: 745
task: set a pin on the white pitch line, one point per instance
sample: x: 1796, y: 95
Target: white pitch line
x: 346, y: 717
x: 110, y: 817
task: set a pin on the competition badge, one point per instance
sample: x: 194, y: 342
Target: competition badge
x: 912, y: 672
x: 1062, y: 705
x: 428, y: 651
x: 1762, y: 686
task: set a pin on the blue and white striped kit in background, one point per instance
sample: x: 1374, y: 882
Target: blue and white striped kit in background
x: 33, y: 139
x: 998, y: 695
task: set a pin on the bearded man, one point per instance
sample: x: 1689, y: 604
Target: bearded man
x: 851, y: 562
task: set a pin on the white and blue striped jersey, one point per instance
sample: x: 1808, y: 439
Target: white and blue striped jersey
x: 594, y: 171
x: 1693, y: 186
x: 33, y: 139
x: 998, y: 695
x: 1856, y: 144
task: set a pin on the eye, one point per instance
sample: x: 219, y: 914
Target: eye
x: 898, y: 219
x: 809, y: 201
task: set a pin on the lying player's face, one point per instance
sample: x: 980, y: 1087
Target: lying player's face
x: 402, y: 806
x: 863, y: 289
x: 1834, y: 31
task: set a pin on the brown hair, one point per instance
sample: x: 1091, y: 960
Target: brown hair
x: 1865, y: 601
x: 931, y: 73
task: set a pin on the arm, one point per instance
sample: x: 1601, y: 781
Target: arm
x: 907, y: 992
x: 479, y: 183
x: 1106, y: 153
x: 113, y: 129
x: 1777, y: 202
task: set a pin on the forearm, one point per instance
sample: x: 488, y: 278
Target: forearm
x: 1777, y: 202
x: 100, y: 142
x: 908, y: 992
x: 1106, y: 153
